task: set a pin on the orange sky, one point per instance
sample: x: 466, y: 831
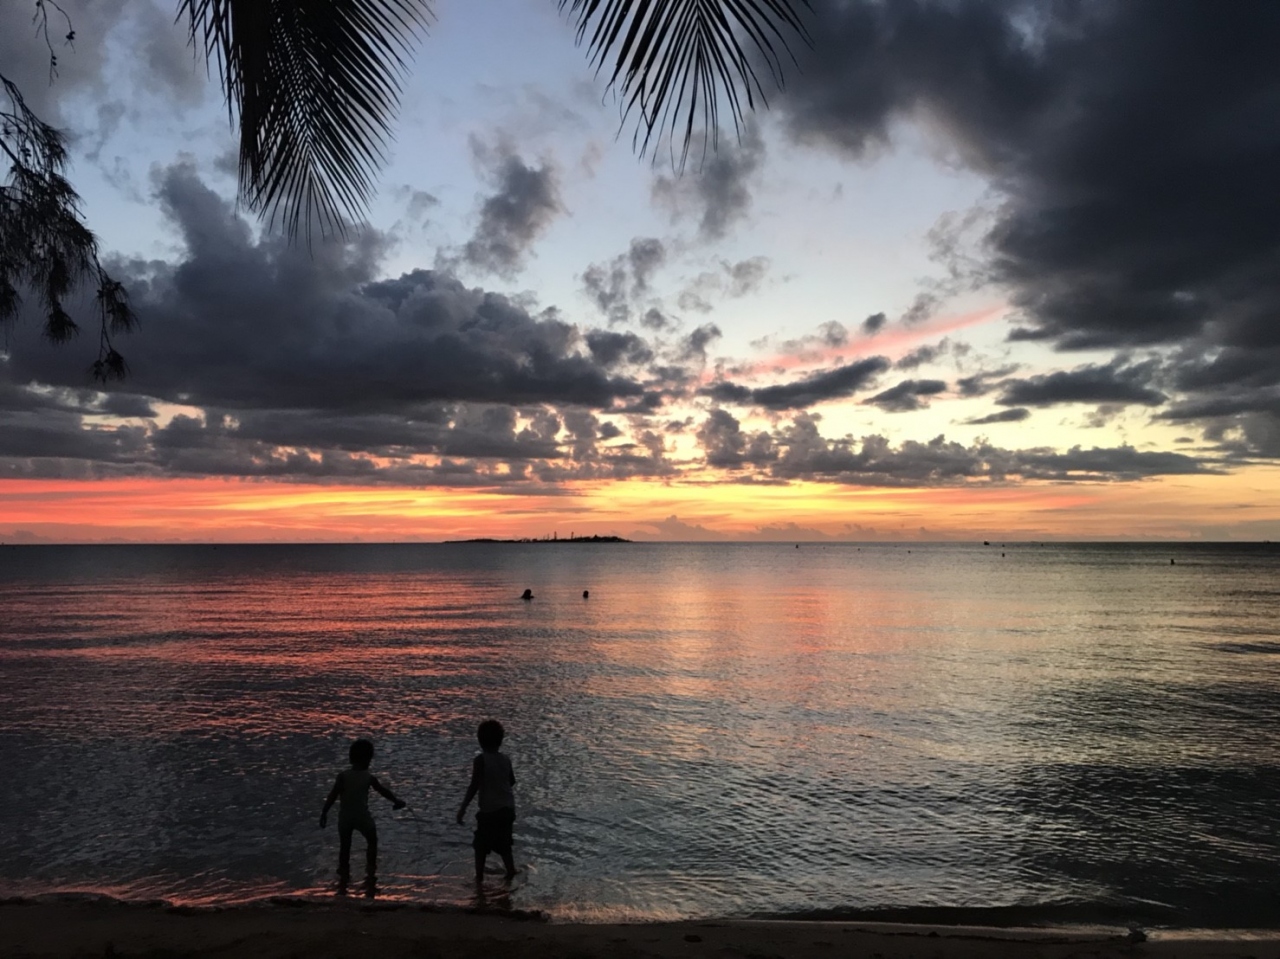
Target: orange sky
x: 1245, y: 505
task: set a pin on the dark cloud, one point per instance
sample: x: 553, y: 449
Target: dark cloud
x: 610, y: 349
x: 907, y: 396
x: 874, y: 323
x: 696, y: 343
x: 525, y: 204
x: 617, y: 286
x: 931, y: 353
x: 655, y: 319
x: 306, y: 366
x: 874, y: 461
x: 1228, y: 404
x: 981, y: 383
x: 816, y: 388
x: 1132, y: 144
x: 127, y: 405
x: 1015, y: 415
x: 718, y: 194
x: 726, y: 445
x: 317, y: 331
x: 64, y: 435
x: 1114, y: 383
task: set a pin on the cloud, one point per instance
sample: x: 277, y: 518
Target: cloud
x: 318, y: 331
x: 1129, y: 147
x: 309, y: 366
x: 618, y: 285
x: 127, y: 405
x: 980, y: 383
x: 718, y: 194
x: 812, y: 347
x: 696, y: 343
x: 511, y: 220
x: 932, y: 352
x: 732, y: 280
x: 746, y: 276
x: 874, y: 461
x: 907, y: 396
x: 818, y: 387
x: 725, y: 444
x: 874, y: 323
x: 610, y: 349
x: 1113, y: 383
x: 674, y: 529
x: 1015, y: 415
x: 160, y: 60
x: 53, y: 434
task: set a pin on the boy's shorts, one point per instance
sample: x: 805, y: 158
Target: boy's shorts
x: 493, y: 831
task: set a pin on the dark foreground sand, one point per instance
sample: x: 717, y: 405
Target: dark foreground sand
x: 105, y: 930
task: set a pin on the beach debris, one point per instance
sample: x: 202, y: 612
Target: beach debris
x: 1136, y: 933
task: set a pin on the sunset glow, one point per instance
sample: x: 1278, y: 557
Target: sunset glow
x: 239, y: 511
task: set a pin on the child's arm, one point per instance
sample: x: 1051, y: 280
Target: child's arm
x: 477, y: 774
x: 382, y: 790
x: 332, y: 798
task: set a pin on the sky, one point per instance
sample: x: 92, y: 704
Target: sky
x: 979, y: 270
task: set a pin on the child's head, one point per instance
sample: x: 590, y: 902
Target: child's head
x: 490, y: 735
x: 361, y: 753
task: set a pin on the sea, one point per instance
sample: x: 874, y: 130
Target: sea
x: 1002, y: 733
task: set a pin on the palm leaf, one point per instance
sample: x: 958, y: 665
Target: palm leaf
x: 678, y: 62
x: 314, y: 84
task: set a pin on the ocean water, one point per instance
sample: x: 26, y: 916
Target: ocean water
x: 1013, y: 732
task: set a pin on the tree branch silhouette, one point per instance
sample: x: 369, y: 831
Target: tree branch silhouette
x: 45, y: 246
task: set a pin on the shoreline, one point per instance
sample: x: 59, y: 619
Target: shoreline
x: 289, y: 928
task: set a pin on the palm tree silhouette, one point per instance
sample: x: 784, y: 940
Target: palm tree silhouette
x: 315, y: 83
x: 314, y: 86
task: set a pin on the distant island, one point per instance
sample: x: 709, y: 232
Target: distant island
x: 545, y: 539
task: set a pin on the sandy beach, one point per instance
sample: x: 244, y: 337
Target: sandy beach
x: 387, y: 931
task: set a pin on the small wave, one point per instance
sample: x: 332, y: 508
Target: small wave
x: 1034, y: 915
x: 1265, y: 648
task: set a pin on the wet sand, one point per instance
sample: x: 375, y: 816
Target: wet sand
x: 355, y: 930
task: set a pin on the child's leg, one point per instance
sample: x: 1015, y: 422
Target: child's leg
x: 481, y: 856
x: 371, y: 851
x: 344, y: 852
x: 509, y: 862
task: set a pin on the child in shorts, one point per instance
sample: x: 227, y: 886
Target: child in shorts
x: 351, y: 791
x: 492, y: 777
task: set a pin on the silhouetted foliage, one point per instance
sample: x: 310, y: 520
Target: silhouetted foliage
x: 677, y: 60
x: 314, y: 84
x: 44, y: 245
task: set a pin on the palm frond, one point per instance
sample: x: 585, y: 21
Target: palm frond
x: 677, y: 62
x: 314, y: 84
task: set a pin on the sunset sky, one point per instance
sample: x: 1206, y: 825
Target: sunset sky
x: 981, y: 270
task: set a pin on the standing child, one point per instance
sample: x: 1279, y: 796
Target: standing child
x: 492, y: 777
x: 352, y: 792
